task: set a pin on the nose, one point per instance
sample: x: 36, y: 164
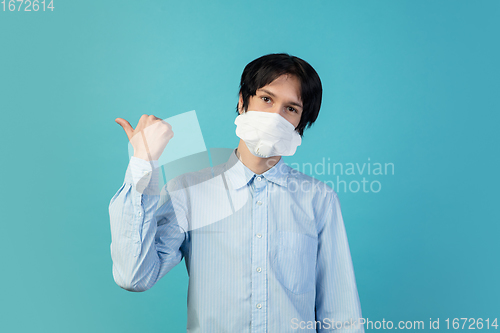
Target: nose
x: 278, y: 108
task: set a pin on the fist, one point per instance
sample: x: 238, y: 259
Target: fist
x: 150, y: 136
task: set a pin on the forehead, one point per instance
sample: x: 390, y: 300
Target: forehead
x: 285, y: 84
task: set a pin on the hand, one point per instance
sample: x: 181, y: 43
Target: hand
x: 149, y: 138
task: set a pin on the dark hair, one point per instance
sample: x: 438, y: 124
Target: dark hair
x: 264, y: 70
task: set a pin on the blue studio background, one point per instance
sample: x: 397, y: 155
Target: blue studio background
x: 412, y: 83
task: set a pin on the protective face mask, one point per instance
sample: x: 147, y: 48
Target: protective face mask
x: 267, y: 134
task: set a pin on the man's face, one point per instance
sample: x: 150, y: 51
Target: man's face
x: 281, y: 96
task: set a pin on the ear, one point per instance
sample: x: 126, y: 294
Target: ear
x: 240, y: 104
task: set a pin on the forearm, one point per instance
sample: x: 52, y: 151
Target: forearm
x: 133, y: 227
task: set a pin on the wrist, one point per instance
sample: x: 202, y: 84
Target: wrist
x: 142, y: 157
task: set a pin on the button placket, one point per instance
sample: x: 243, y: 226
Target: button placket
x: 259, y: 254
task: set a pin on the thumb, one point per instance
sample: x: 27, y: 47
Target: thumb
x: 129, y: 130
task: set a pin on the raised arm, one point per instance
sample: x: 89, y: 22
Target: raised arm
x: 146, y: 225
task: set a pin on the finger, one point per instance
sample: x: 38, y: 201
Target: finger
x: 129, y: 130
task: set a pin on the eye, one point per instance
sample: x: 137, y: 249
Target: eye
x: 265, y: 99
x: 292, y: 109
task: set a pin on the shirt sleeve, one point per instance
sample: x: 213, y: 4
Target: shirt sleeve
x: 337, y: 299
x: 146, y: 237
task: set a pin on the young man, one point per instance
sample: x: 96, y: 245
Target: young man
x: 264, y: 245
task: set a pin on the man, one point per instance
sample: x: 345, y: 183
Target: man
x: 264, y: 245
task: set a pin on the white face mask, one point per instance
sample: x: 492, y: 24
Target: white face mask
x: 267, y: 134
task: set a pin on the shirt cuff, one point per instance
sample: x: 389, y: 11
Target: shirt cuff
x: 144, y: 175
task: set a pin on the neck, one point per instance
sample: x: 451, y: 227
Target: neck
x: 258, y: 165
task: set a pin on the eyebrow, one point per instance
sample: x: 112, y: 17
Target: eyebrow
x: 273, y: 95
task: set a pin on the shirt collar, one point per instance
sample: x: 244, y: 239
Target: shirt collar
x: 240, y: 175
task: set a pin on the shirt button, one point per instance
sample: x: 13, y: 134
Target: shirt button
x: 259, y: 269
x: 145, y: 173
x: 259, y: 179
x: 259, y: 203
x: 259, y: 236
x: 140, y: 214
x: 259, y: 305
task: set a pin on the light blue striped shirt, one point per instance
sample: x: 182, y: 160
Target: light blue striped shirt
x: 264, y: 253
